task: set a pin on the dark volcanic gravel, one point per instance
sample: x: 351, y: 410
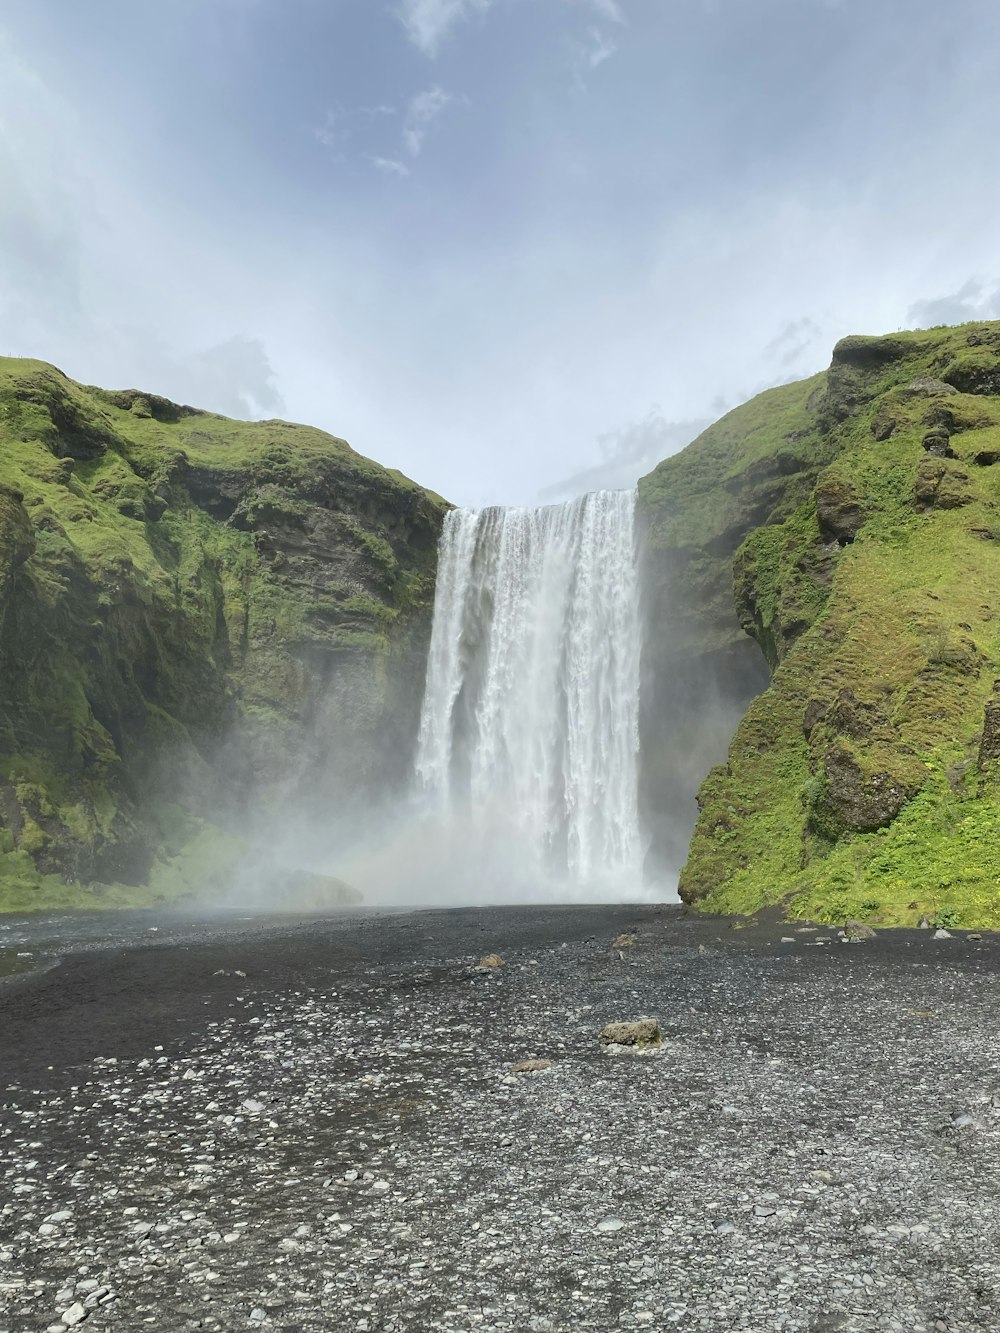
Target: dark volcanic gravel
x: 317, y: 1127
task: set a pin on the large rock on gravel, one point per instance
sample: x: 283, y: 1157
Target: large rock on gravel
x: 641, y: 1032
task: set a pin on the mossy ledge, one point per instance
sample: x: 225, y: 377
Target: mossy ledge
x: 199, y: 619
x: 865, y: 781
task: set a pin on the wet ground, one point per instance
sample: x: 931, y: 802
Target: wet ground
x: 307, y: 1125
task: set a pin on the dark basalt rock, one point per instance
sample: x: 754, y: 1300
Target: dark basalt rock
x: 861, y: 802
x: 883, y: 425
x: 989, y: 745
x: 940, y: 486
x: 839, y: 510
x: 815, y: 711
x: 17, y: 536
x: 978, y: 372
x: 856, y: 718
x: 938, y: 444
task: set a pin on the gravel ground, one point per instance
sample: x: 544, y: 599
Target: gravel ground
x: 317, y: 1126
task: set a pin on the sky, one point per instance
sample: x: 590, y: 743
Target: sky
x: 515, y: 248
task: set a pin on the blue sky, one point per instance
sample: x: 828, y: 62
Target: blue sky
x: 513, y: 247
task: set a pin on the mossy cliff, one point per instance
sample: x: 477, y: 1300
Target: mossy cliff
x: 865, y: 781
x: 200, y: 620
x: 753, y: 468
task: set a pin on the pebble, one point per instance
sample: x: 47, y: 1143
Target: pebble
x: 339, y: 1152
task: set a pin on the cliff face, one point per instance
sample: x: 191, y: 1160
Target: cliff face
x: 199, y: 619
x: 864, y: 781
x: 753, y: 468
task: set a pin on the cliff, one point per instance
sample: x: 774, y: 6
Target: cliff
x: 752, y: 469
x: 857, y: 517
x: 207, y: 628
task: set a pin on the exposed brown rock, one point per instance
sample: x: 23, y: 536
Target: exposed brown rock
x: 17, y: 537
x: 859, y: 801
x: 641, y: 1032
x: 989, y: 745
x: 839, y: 510
x: 937, y: 442
x: 814, y: 713
x: 927, y: 387
x: 940, y: 486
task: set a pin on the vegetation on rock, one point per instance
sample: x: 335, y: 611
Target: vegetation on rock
x: 198, y: 618
x: 865, y: 782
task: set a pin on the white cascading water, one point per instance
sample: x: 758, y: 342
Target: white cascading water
x: 529, y: 732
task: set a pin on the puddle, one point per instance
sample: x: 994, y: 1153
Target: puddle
x: 15, y: 961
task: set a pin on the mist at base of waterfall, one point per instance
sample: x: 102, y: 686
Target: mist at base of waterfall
x: 418, y: 859
x: 525, y: 782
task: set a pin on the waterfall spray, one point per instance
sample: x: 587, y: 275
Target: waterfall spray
x: 530, y: 721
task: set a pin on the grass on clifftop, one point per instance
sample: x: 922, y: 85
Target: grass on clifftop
x: 171, y: 580
x: 854, y: 787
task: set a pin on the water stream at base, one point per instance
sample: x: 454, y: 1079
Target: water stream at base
x: 529, y: 731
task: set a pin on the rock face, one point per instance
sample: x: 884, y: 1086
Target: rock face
x: 862, y: 782
x: 200, y: 619
x: 753, y: 468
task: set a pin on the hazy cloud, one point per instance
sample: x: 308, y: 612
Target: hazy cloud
x: 43, y: 209
x: 569, y: 260
x: 593, y: 51
x: 627, y: 455
x: 341, y: 126
x: 421, y: 113
x: 428, y: 22
x: 235, y: 377
x: 390, y: 165
x: 344, y: 130
x: 795, y: 338
x: 973, y: 300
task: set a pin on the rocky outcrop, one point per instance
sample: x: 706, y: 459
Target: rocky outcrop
x: 861, y: 783
x: 752, y: 469
x: 989, y: 743
x: 17, y: 539
x: 212, y: 632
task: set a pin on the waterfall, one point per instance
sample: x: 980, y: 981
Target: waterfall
x: 530, y: 724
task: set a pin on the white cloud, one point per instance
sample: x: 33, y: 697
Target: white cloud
x: 423, y: 110
x: 428, y: 22
x: 340, y: 124
x: 627, y: 454
x: 971, y: 301
x: 390, y: 165
x: 333, y: 133
x: 344, y: 128
x: 600, y: 47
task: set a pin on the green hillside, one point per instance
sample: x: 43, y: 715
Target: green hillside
x: 177, y: 593
x: 864, y: 781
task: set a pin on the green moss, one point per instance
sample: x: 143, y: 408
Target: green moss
x: 852, y: 786
x: 172, y: 584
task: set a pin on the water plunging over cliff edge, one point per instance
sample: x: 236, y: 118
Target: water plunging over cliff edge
x: 529, y: 732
